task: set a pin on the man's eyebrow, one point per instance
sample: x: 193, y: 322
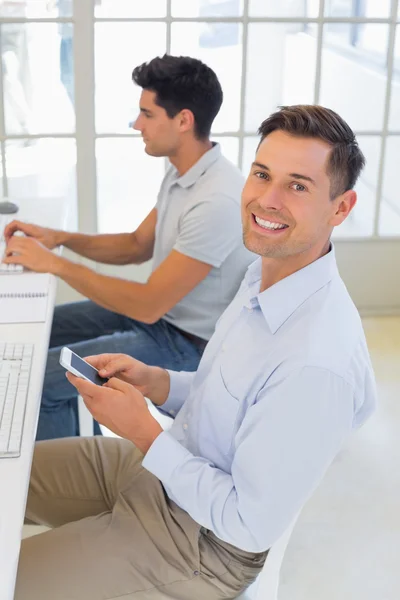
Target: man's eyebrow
x: 294, y: 175
x: 260, y: 165
x: 145, y: 110
x: 304, y: 177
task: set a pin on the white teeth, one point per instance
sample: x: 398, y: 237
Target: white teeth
x: 269, y: 224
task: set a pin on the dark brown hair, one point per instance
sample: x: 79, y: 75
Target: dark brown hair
x: 183, y: 82
x: 346, y: 159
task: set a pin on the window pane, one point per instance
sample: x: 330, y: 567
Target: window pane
x: 249, y: 152
x: 285, y: 8
x: 119, y: 48
x: 41, y: 168
x: 287, y: 79
x: 229, y: 147
x: 350, y: 75
x: 130, y: 8
x: 39, y: 9
x: 37, y: 62
x: 368, y: 9
x: 390, y: 207
x: 207, y: 8
x: 219, y: 45
x: 128, y: 182
x: 394, y: 121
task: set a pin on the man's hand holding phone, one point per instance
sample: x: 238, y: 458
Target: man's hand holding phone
x: 119, y: 404
x: 152, y: 382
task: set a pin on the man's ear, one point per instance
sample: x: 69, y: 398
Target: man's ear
x: 186, y: 120
x: 344, y: 204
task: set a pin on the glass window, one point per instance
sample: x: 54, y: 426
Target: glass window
x: 394, y: 121
x: 288, y: 78
x: 219, y: 45
x: 249, y: 152
x: 368, y: 9
x: 39, y: 9
x: 38, y: 76
x: 130, y: 9
x: 352, y: 83
x: 128, y: 181
x: 390, y: 207
x: 367, y: 43
x: 38, y: 168
x: 119, y: 48
x: 229, y: 147
x: 207, y: 8
x: 285, y: 8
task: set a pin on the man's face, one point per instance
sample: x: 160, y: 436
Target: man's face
x: 286, y: 204
x: 160, y: 133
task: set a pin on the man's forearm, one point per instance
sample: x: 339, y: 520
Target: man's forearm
x: 128, y: 298
x: 114, y: 249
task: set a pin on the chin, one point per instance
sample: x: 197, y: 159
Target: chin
x: 154, y: 152
x: 262, y: 248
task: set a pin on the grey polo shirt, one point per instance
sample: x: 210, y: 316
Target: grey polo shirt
x: 198, y: 215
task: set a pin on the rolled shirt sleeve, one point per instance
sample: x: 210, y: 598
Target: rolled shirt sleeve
x: 283, y: 447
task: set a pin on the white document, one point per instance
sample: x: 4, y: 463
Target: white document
x: 23, y: 297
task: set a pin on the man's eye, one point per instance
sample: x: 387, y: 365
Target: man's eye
x: 298, y: 187
x: 261, y: 175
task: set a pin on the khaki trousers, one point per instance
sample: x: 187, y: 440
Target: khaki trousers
x: 116, y: 534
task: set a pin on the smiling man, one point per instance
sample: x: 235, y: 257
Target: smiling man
x: 193, y: 235
x: 298, y: 190
x: 191, y: 512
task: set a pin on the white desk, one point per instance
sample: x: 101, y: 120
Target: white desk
x: 15, y: 472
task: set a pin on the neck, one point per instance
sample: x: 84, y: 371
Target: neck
x: 276, y: 269
x: 188, y: 154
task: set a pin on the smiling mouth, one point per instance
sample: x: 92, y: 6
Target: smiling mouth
x: 269, y: 225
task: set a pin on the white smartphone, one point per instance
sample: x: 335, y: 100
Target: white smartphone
x: 79, y: 367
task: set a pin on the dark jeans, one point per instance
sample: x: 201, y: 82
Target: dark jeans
x: 88, y: 329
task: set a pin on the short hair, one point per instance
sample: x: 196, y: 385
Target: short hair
x: 181, y: 82
x: 346, y: 160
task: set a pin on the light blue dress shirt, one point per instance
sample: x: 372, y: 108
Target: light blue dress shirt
x: 283, y: 381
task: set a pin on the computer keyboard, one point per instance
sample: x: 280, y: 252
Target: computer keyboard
x: 15, y: 367
x: 6, y: 269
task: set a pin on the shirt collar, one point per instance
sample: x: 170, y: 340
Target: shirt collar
x: 200, y: 167
x: 282, y: 299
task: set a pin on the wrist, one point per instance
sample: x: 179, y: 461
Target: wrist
x: 159, y: 386
x: 61, y: 238
x: 58, y: 266
x: 144, y: 440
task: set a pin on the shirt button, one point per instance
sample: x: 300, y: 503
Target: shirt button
x: 172, y: 412
x: 223, y: 347
x: 185, y: 426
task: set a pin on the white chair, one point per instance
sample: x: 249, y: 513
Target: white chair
x: 85, y: 419
x: 266, y: 585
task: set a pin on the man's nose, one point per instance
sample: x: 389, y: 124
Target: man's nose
x: 271, y: 198
x: 135, y: 124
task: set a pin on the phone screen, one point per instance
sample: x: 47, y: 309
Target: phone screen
x: 87, y: 370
